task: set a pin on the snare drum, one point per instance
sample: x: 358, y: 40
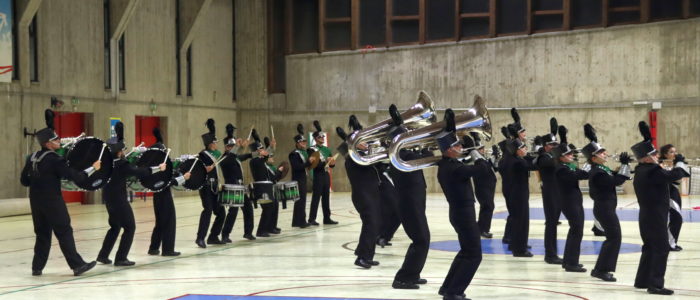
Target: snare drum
x: 263, y: 192
x: 155, y: 182
x: 80, y: 154
x: 287, y: 191
x: 198, y: 175
x: 232, y: 195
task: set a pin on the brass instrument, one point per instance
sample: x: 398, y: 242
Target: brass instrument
x: 475, y: 119
x: 375, y: 137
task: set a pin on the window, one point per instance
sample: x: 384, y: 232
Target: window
x: 694, y: 7
x: 233, y: 51
x: 586, y: 13
x: 276, y: 48
x: 440, y: 20
x: 178, y: 64
x: 107, y: 55
x: 15, y: 42
x: 666, y: 9
x: 335, y: 27
x: 33, y: 52
x: 122, y: 64
x: 305, y: 25
x: 622, y: 12
x: 548, y: 15
x: 189, y: 71
x: 476, y: 18
x: 404, y: 22
x: 512, y: 17
x: 372, y: 23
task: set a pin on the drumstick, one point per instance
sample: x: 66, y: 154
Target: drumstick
x: 133, y: 149
x: 220, y: 160
x: 251, y: 131
x: 335, y: 156
x: 104, y: 145
x: 194, y: 163
x: 272, y: 132
x: 166, y: 155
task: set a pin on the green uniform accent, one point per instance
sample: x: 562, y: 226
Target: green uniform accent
x: 572, y: 166
x: 605, y: 168
x: 216, y: 153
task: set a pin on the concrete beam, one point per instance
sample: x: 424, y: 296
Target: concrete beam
x: 27, y: 11
x: 191, y: 14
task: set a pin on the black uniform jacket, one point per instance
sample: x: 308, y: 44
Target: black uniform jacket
x: 651, y: 185
x: 569, y: 191
x: 45, y: 183
x: 298, y: 166
x: 455, y: 180
x: 602, y: 186
x: 231, y: 167
x: 518, y: 174
x: 115, y: 190
x: 485, y: 181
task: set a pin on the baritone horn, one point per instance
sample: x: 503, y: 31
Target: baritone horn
x: 475, y: 119
x: 376, y: 136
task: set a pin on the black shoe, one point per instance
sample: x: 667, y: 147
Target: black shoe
x: 505, y: 240
x: 36, y: 272
x: 404, y: 285
x: 84, y: 268
x: 173, y: 253
x: 486, y: 235
x: 442, y: 293
x: 639, y: 286
x: 555, y: 260
x: 382, y: 242
x: 676, y: 248
x: 605, y: 276
x: 124, y: 263
x: 249, y: 237
x: 362, y: 263
x: 104, y: 260
x: 420, y: 281
x: 313, y: 223
x: 373, y: 262
x: 523, y: 254
x: 214, y: 241
x: 153, y: 252
x: 276, y: 231
x: 454, y: 297
x: 597, y: 232
x: 226, y: 240
x: 200, y: 243
x: 528, y: 247
x: 330, y: 222
x: 659, y: 291
x: 263, y: 234
x: 578, y: 268
x: 304, y: 225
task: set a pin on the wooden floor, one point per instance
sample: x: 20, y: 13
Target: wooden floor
x: 318, y: 261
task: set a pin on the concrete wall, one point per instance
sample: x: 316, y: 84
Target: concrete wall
x: 71, y: 65
x: 579, y: 76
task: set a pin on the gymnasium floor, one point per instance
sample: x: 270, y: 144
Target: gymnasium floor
x: 317, y: 262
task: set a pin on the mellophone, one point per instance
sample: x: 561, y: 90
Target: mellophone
x: 80, y: 153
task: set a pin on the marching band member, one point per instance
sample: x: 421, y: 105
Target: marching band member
x: 389, y: 198
x: 485, y: 186
x: 276, y: 173
x: 42, y: 173
x: 651, y: 185
x: 567, y: 176
x: 164, y: 210
x: 300, y: 161
x: 118, y: 208
x: 321, y: 178
x: 454, y: 178
x: 261, y: 172
x: 364, y: 185
x: 675, y: 218
x: 546, y: 164
x: 232, y: 171
x: 602, y: 182
x: 411, y: 188
x: 208, y: 193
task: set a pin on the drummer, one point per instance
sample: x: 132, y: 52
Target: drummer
x: 115, y: 199
x: 164, y: 209
x: 232, y: 170
x: 208, y: 193
x: 263, y: 173
x: 42, y: 173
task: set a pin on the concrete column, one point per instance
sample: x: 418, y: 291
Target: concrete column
x: 27, y: 11
x: 191, y: 13
x: 121, y: 12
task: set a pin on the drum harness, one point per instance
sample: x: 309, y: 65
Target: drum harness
x: 36, y: 160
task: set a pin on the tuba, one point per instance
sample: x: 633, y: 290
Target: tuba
x: 419, y: 115
x: 475, y: 119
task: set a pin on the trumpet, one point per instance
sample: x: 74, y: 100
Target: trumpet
x: 375, y: 137
x: 475, y: 119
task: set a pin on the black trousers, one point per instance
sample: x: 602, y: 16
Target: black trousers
x: 412, y: 213
x: 52, y: 216
x: 509, y: 219
x: 248, y: 218
x: 299, y: 215
x: 164, y: 230
x: 652, y: 264
x: 389, y: 205
x: 210, y: 204
x: 607, y: 259
x: 321, y: 192
x: 675, y: 219
x: 268, y: 217
x: 552, y: 212
x: 520, y: 225
x: 368, y: 208
x: 120, y: 216
x: 572, y: 250
x: 486, y: 207
x: 468, y: 259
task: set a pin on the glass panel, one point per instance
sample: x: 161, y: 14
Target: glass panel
x: 474, y: 27
x: 512, y: 16
x: 372, y: 22
x: 440, y: 19
x: 405, y: 31
x: 547, y: 4
x: 337, y: 36
x: 620, y: 3
x: 586, y: 12
x: 695, y: 7
x: 623, y: 17
x: 474, y: 6
x: 548, y: 22
x: 405, y: 7
x: 305, y: 26
x: 337, y: 8
x: 662, y: 9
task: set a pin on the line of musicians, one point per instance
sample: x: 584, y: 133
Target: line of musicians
x: 380, y: 192
x: 45, y: 169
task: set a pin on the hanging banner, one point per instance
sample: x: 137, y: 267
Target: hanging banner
x: 6, y: 40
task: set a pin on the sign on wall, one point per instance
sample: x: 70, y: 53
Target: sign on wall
x: 112, y: 123
x: 5, y: 40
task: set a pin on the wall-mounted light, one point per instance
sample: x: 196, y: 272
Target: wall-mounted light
x: 74, y: 101
x: 152, y: 106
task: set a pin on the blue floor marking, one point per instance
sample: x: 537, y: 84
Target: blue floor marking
x: 537, y: 213
x: 495, y: 246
